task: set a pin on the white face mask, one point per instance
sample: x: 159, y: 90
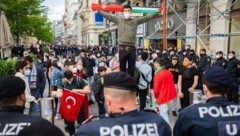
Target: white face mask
x: 27, y: 72
x: 230, y: 56
x: 127, y: 15
x: 74, y: 70
x: 217, y: 56
x: 59, y: 64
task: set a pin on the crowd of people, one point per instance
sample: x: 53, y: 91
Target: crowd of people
x: 118, y: 79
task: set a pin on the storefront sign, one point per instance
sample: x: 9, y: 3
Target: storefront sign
x: 159, y: 25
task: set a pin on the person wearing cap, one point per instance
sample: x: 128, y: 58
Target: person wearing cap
x: 124, y: 117
x: 216, y: 117
x: 12, y: 105
x: 233, y: 68
x: 174, y: 68
x: 220, y: 61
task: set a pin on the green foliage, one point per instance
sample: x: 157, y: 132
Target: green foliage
x: 7, y: 67
x: 45, y: 49
x: 34, y: 56
x: 27, y: 18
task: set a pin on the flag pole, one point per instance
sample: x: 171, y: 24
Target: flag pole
x: 164, y: 19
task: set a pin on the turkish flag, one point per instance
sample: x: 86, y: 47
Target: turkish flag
x: 104, y: 7
x: 71, y: 104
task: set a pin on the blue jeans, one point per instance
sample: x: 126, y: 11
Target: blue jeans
x: 101, y: 109
x: 163, y: 111
x: 35, y: 108
x: 90, y: 81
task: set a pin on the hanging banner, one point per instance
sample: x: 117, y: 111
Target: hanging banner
x: 119, y: 8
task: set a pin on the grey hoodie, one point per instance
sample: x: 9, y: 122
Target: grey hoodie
x: 127, y: 28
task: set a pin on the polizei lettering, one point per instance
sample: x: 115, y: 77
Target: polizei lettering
x: 148, y: 129
x: 12, y: 129
x: 213, y: 111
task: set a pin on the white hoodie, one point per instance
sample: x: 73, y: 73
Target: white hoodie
x: 29, y: 97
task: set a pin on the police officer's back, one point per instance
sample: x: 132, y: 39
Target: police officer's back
x: 220, y: 61
x: 12, y: 101
x: 124, y: 118
x: 217, y: 117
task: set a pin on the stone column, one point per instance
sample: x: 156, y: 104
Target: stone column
x: 192, y: 6
x: 221, y: 26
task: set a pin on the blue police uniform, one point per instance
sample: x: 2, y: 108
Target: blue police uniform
x: 217, y: 117
x: 134, y: 123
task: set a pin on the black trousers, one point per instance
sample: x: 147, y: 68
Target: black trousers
x: 70, y: 127
x: 127, y: 54
x: 233, y: 92
x: 185, y: 101
x: 143, y: 97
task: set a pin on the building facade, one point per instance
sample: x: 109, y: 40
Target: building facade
x: 219, y: 25
x: 90, y: 24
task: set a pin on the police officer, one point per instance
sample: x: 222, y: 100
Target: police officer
x: 124, y: 117
x: 204, y: 63
x: 12, y: 101
x: 205, y: 60
x: 218, y: 117
x: 221, y: 62
x: 233, y: 69
x: 192, y: 56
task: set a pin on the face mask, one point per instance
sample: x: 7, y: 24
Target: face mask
x: 185, y: 63
x: 184, y: 53
x: 59, y: 64
x: 74, y: 70
x: 230, y: 56
x: 217, y: 56
x: 27, y: 72
x: 127, y: 15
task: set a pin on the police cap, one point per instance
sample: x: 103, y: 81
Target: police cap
x: 219, y: 52
x: 218, y: 76
x: 120, y: 80
x: 11, y: 86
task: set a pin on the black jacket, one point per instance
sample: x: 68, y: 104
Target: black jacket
x: 221, y: 62
x: 233, y: 67
x: 204, y: 63
x: 88, y: 64
x: 13, y: 120
x: 97, y: 88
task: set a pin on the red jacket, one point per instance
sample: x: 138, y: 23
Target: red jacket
x: 164, y: 89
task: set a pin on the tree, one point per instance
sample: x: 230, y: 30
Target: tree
x: 21, y: 15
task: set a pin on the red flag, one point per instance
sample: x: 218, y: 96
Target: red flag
x: 113, y: 7
x: 70, y: 105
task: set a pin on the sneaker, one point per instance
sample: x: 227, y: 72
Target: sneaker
x: 90, y: 102
x: 57, y: 117
x: 174, y: 113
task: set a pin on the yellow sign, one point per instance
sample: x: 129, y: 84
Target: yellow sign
x: 179, y: 43
x: 146, y: 44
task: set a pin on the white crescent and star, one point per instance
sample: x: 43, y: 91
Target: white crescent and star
x: 70, y: 98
